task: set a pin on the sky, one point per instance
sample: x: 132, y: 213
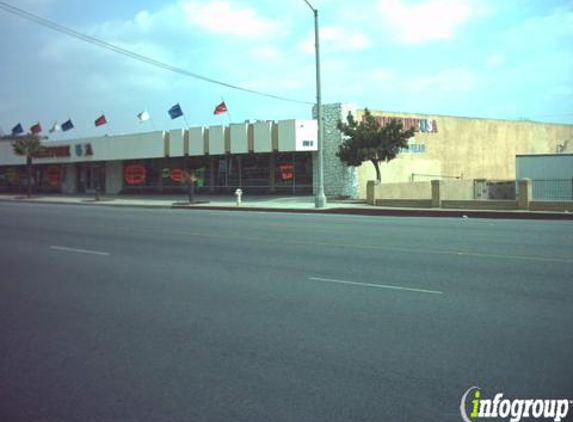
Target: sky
x: 504, y: 59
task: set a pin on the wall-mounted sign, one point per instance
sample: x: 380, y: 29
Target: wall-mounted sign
x: 53, y: 152
x: 84, y: 150
x: 287, y: 171
x: 414, y: 148
x: 175, y: 174
x: 54, y: 174
x: 421, y: 125
x: 134, y: 174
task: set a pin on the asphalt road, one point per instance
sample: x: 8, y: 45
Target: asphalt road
x: 111, y: 314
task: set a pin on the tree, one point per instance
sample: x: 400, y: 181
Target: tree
x: 27, y: 146
x: 368, y: 140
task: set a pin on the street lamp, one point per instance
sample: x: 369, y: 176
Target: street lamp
x: 320, y: 198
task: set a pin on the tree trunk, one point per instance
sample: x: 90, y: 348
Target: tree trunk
x: 29, y: 177
x: 377, y: 167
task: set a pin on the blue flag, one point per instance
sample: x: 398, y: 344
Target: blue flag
x: 67, y: 125
x: 17, y: 130
x: 175, y: 111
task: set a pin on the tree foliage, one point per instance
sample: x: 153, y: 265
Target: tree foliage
x: 27, y: 146
x: 368, y: 140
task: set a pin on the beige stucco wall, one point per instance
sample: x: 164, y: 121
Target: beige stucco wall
x: 415, y: 190
x: 469, y: 147
x: 457, y: 189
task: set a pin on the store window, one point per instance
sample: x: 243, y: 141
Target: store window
x: 293, y: 173
x: 141, y: 176
x: 255, y: 172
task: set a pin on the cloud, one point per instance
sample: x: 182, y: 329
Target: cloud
x: 265, y: 52
x: 456, y: 79
x: 223, y: 17
x: 432, y: 20
x: 495, y: 60
x: 540, y: 30
x: 336, y: 38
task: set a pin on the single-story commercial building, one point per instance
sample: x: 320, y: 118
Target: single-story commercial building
x: 281, y: 157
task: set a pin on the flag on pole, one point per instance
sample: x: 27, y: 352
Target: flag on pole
x: 67, y: 125
x: 55, y: 128
x: 175, y: 111
x: 35, y: 129
x: 100, y: 120
x: 17, y: 130
x: 221, y: 108
x: 143, y: 116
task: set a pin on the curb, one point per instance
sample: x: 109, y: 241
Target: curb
x: 100, y: 204
x: 513, y: 215
x: 399, y: 212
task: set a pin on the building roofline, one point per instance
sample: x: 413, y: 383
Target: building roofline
x: 468, y: 117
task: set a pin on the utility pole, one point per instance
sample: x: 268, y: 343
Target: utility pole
x: 320, y: 198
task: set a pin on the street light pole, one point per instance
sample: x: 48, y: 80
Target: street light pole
x: 320, y: 198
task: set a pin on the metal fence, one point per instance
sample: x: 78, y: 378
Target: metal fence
x: 419, y: 177
x: 552, y: 189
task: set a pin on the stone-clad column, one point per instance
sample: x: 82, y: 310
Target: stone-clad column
x: 339, y: 180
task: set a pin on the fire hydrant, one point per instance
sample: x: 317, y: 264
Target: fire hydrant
x: 238, y: 194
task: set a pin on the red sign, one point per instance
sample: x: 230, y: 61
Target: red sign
x: 54, y: 174
x: 134, y: 174
x: 177, y: 175
x: 287, y: 171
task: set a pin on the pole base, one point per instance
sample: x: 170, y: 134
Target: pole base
x: 320, y: 201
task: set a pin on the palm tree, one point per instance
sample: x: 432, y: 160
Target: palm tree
x: 28, y: 146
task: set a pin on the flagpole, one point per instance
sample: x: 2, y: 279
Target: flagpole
x: 185, y: 120
x: 150, y: 119
x: 228, y: 113
x: 77, y: 132
x: 108, y: 124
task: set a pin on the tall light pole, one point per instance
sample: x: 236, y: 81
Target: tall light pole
x: 320, y: 198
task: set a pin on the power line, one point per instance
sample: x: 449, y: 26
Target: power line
x: 135, y: 56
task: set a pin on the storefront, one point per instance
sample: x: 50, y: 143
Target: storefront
x: 259, y: 158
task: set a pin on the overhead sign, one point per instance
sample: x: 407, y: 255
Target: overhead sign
x: 421, y: 125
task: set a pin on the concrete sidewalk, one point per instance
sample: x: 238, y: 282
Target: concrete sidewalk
x: 291, y: 204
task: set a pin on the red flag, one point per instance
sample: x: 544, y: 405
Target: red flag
x: 221, y: 108
x: 100, y: 120
x: 36, y: 129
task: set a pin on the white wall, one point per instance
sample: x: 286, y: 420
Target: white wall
x: 216, y: 140
x: 263, y: 140
x: 197, y: 141
x: 176, y: 143
x: 239, y: 138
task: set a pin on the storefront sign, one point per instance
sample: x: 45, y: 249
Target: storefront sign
x: 84, y: 150
x: 53, y: 152
x: 134, y: 174
x: 421, y: 125
x: 287, y: 171
x: 177, y: 175
x: 414, y: 148
x: 54, y: 174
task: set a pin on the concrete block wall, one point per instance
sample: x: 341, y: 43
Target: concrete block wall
x: 339, y: 180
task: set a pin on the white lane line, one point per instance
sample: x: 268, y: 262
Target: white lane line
x: 380, y: 286
x: 86, y: 251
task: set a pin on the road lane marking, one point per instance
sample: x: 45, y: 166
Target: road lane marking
x: 229, y: 236
x: 380, y: 286
x: 85, y: 251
